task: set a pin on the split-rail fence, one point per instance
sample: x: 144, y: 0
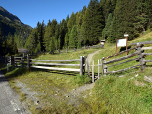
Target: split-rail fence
x: 139, y: 52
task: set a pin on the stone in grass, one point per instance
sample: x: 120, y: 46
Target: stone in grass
x: 148, y: 79
x: 67, y: 96
x: 36, y: 102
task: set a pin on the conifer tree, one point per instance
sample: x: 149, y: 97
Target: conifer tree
x: 93, y: 23
x: 73, y: 37
x: 1, y: 41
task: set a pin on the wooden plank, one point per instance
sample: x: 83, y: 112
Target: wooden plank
x: 88, y: 68
x: 93, y: 71
x: 58, y: 64
x: 122, y: 58
x: 18, y: 57
x: 57, y: 60
x: 122, y: 69
x: 140, y: 57
x: 121, y: 52
x: 55, y: 68
x: 147, y: 60
x: 81, y: 65
x: 98, y: 69
x: 102, y: 66
x: 146, y: 42
x: 123, y: 62
x: 146, y: 54
x: 146, y: 48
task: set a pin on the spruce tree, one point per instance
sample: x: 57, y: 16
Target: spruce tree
x: 93, y: 23
x: 1, y: 41
x: 73, y: 37
x: 123, y: 19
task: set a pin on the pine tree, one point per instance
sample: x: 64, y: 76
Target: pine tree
x: 123, y: 19
x: 93, y: 23
x: 71, y: 22
x: 142, y: 17
x: 73, y: 37
x: 107, y: 30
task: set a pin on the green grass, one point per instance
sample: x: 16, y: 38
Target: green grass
x: 111, y: 94
x: 121, y: 95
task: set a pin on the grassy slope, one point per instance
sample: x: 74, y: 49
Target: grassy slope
x: 110, y: 94
x: 122, y: 95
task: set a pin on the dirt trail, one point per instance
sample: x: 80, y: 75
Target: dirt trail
x: 90, y: 56
x: 73, y: 97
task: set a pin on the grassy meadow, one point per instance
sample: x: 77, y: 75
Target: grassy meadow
x: 110, y: 95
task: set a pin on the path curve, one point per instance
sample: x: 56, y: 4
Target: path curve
x: 90, y: 56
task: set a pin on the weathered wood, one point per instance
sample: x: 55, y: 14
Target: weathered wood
x: 140, y: 57
x: 18, y: 57
x: 135, y: 66
x: 146, y: 42
x: 57, y: 60
x: 93, y: 71
x: 147, y: 61
x: 146, y: 54
x: 88, y: 68
x: 146, y: 48
x: 121, y: 52
x: 81, y: 65
x: 57, y: 64
x: 98, y: 69
x: 55, y: 68
x: 102, y: 67
x: 123, y: 62
x: 122, y: 58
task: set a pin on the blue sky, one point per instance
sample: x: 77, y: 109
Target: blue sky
x: 32, y: 11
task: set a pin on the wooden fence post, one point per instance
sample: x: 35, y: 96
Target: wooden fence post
x: 12, y: 60
x: 102, y: 67
x: 93, y: 71
x: 23, y: 61
x: 28, y: 61
x: 82, y: 65
x: 88, y: 68
x: 105, y: 69
x: 140, y: 56
x: 98, y: 69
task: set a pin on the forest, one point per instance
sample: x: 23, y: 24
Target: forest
x: 104, y: 19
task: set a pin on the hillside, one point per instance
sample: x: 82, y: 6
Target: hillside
x: 12, y: 25
x: 57, y: 90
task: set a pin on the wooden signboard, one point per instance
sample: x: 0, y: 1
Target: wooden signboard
x: 121, y: 43
x: 23, y: 51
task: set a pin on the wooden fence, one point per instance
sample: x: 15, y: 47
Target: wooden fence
x: 26, y: 61
x: 141, y: 58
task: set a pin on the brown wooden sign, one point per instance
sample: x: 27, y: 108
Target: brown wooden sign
x: 23, y: 51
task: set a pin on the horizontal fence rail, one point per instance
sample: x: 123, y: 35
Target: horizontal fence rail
x: 142, y: 62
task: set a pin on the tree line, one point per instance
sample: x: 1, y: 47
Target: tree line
x: 104, y: 19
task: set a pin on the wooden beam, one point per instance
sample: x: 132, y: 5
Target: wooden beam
x: 147, y: 61
x: 58, y: 64
x: 123, y: 62
x: 121, y: 52
x: 93, y: 71
x: 55, y: 68
x: 146, y: 48
x: 122, y: 58
x: 146, y: 42
x: 122, y: 69
x: 57, y: 60
x: 146, y: 54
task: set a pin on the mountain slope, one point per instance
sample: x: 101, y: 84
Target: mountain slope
x: 12, y: 25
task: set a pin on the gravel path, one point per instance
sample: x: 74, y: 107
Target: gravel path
x: 90, y: 56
